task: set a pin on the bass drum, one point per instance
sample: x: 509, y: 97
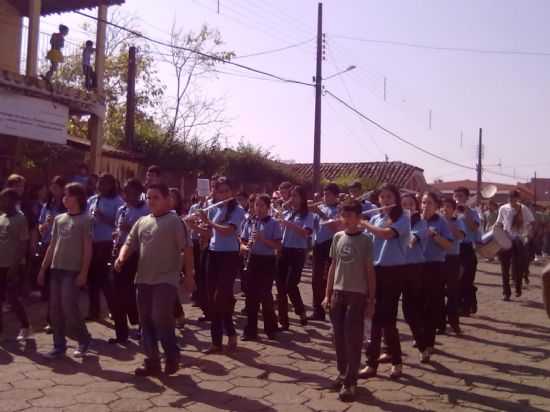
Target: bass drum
x: 493, y: 242
x: 546, y: 288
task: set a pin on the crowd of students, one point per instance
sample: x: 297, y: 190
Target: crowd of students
x: 138, y: 247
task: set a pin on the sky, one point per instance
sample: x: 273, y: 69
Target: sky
x: 507, y: 95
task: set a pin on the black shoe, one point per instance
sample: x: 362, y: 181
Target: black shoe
x: 456, y: 329
x: 171, y: 367
x: 441, y: 331
x: 518, y: 294
x: 272, y: 336
x: 506, y: 298
x: 285, y: 326
x: 347, y: 393
x: 303, y: 320
x: 336, y: 385
x: 116, y: 341
x: 526, y: 279
x: 249, y: 337
x: 149, y: 368
x: 318, y: 316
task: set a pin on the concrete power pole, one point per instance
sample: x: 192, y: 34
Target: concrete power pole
x: 479, y: 165
x: 318, y: 98
x: 131, y: 99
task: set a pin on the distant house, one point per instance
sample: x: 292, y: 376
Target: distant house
x: 447, y: 188
x: 541, y: 188
x: 401, y: 174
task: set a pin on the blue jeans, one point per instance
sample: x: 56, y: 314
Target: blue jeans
x: 64, y: 310
x: 156, y: 315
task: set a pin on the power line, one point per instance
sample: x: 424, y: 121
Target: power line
x: 444, y: 48
x: 262, y: 53
x: 202, y: 54
x: 395, y: 135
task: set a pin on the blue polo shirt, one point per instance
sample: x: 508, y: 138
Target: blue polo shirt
x: 415, y: 254
x: 455, y: 250
x: 322, y: 232
x: 128, y: 215
x: 270, y: 229
x: 45, y: 212
x: 101, y: 231
x: 291, y: 239
x: 226, y: 243
x: 432, y: 251
x: 472, y: 236
x: 391, y: 252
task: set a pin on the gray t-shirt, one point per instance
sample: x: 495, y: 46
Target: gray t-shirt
x: 13, y: 231
x: 350, y: 254
x: 68, y: 235
x: 160, y: 242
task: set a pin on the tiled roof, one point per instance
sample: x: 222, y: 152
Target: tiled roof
x: 397, y: 173
x: 79, y: 101
x: 63, y: 6
x: 472, y: 186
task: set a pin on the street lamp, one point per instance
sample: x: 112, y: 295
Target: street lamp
x: 350, y: 68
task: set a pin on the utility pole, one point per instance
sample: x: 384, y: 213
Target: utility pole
x: 479, y: 166
x: 535, y: 189
x: 318, y: 96
x: 131, y: 99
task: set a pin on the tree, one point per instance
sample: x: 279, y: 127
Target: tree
x: 189, y: 61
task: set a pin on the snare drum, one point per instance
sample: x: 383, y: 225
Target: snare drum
x: 493, y: 242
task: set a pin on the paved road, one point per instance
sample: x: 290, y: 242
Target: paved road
x: 502, y: 363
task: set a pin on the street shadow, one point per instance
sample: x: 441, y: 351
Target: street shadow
x: 513, y: 332
x: 365, y: 397
x: 456, y: 395
x: 522, y: 325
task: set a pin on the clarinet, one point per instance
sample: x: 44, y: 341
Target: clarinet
x: 251, y: 242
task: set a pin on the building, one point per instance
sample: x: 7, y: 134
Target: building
x: 403, y: 175
x: 541, y: 189
x: 503, y: 189
x: 30, y: 107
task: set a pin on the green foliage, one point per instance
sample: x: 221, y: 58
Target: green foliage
x: 345, y: 181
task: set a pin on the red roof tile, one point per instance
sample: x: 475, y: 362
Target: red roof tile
x: 397, y: 173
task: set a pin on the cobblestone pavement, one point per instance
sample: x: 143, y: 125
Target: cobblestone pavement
x: 502, y: 363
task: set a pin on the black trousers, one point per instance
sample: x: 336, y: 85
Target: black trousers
x: 9, y: 291
x: 321, y: 263
x: 260, y: 276
x: 291, y: 264
x: 468, y: 263
x: 452, y: 292
x: 125, y: 306
x: 99, y: 278
x: 412, y: 298
x: 389, y: 286
x: 514, y: 258
x: 222, y: 271
x: 200, y: 275
x: 347, y: 313
x: 433, y: 281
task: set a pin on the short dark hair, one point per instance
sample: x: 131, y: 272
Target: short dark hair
x: 11, y: 195
x: 414, y: 199
x: 161, y: 187
x: 134, y: 184
x: 78, y: 191
x: 449, y: 201
x: 435, y: 197
x: 179, y: 201
x: 63, y: 28
x: 356, y: 184
x: 285, y: 185
x: 154, y: 169
x: 264, y: 198
x: 89, y: 43
x: 332, y: 188
x: 514, y: 194
x: 352, y: 206
x: 111, y: 180
x: 464, y: 190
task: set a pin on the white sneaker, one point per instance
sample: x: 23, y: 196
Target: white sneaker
x: 396, y: 371
x: 82, y: 350
x: 24, y: 334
